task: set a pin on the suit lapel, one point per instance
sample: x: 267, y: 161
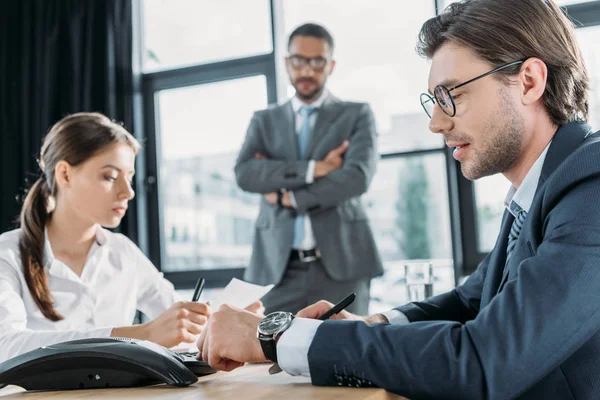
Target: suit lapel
x: 328, y: 113
x: 286, y: 127
x: 498, y: 257
x: 565, y: 141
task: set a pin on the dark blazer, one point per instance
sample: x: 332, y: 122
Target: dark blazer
x: 339, y: 221
x: 529, y: 331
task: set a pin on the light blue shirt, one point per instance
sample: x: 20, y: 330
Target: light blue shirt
x: 292, y: 348
x: 309, y: 242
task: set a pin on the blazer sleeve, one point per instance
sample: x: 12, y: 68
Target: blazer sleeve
x: 354, y: 178
x: 270, y: 175
x: 529, y: 329
x: 460, y: 304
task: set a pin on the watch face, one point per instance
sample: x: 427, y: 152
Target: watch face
x: 273, y: 322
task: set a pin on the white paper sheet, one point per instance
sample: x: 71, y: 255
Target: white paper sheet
x: 240, y: 294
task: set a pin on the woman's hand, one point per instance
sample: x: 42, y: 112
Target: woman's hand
x: 182, y: 322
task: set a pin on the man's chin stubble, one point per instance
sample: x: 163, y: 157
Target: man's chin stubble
x: 310, y: 96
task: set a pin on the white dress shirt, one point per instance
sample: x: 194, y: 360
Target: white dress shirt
x: 292, y: 347
x: 117, y: 279
x: 523, y: 196
x: 309, y: 238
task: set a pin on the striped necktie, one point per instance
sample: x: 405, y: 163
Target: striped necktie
x: 303, y: 138
x: 515, y: 230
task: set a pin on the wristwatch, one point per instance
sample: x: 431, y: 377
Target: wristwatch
x: 269, y: 330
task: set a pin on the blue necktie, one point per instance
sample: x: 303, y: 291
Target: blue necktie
x: 515, y: 230
x: 303, y: 138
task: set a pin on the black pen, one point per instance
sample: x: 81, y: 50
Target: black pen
x: 198, y: 289
x: 338, y: 307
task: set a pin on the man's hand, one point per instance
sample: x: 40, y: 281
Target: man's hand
x: 180, y: 323
x: 316, y: 310
x: 229, y: 339
x: 259, y: 156
x: 285, y: 199
x: 334, y: 160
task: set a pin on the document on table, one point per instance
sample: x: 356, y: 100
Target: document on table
x: 237, y: 293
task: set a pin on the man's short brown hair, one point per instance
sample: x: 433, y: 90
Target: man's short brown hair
x: 511, y: 30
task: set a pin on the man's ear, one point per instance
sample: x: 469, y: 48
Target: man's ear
x: 63, y: 174
x: 532, y: 79
x: 330, y: 67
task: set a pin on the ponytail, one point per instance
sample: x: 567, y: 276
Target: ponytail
x: 34, y: 216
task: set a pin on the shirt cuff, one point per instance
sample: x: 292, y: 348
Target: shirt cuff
x: 293, y: 345
x: 292, y: 198
x: 396, y: 317
x: 310, y: 173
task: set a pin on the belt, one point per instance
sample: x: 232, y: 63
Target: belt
x: 305, y: 255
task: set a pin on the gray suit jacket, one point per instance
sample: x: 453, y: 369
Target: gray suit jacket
x: 338, y: 219
x: 529, y: 329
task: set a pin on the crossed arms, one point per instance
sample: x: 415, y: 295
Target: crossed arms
x: 344, y: 173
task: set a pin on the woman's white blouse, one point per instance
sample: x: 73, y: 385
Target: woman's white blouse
x: 117, y: 280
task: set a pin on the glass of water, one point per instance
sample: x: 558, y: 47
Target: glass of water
x: 419, y: 280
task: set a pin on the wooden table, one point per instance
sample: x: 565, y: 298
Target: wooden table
x: 247, y: 383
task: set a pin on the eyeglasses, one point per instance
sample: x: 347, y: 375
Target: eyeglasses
x: 317, y: 64
x: 442, y: 96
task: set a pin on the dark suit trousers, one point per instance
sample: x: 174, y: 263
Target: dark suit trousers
x: 304, y: 284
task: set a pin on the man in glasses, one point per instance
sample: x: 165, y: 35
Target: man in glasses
x: 508, y: 91
x: 312, y: 158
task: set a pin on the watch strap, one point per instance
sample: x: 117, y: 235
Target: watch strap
x: 269, y: 347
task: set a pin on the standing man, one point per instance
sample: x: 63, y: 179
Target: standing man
x: 508, y: 89
x: 312, y: 158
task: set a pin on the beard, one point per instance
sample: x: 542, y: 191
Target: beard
x: 502, y: 141
x: 311, y: 95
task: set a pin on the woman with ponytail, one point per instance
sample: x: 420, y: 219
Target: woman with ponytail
x: 63, y: 276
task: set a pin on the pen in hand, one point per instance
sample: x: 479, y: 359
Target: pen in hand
x: 198, y: 289
x: 275, y: 368
x: 338, y: 307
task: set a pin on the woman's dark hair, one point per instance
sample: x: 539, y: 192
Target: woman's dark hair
x: 74, y: 139
x: 504, y: 31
